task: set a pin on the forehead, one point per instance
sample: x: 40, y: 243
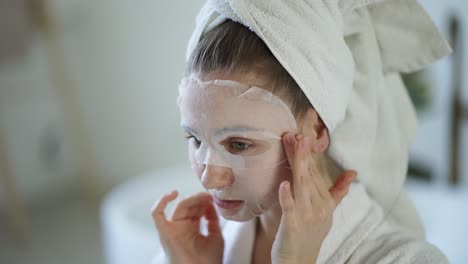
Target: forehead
x: 220, y: 103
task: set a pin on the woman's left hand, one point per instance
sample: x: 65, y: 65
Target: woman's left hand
x: 307, y: 210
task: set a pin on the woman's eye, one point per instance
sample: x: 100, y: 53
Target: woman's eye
x: 245, y: 146
x: 195, y: 141
x: 239, y: 145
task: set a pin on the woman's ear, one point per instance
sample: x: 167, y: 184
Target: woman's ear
x: 314, y: 128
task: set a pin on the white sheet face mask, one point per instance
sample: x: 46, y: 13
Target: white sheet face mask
x: 235, y: 145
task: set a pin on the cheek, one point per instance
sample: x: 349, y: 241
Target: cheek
x: 197, y: 170
x: 273, y: 158
x: 196, y: 167
x: 273, y: 177
x: 262, y: 181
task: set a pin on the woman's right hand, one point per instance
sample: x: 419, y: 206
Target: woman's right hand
x: 181, y: 237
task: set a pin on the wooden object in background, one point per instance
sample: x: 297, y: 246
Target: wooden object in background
x: 44, y: 22
x: 14, y: 36
x: 14, y: 210
x: 459, y: 111
x: 14, y: 29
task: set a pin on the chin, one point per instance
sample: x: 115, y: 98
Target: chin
x: 237, y: 218
x: 241, y: 215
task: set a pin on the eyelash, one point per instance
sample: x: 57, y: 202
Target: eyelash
x: 196, y: 142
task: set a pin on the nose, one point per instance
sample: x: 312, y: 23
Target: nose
x: 216, y: 177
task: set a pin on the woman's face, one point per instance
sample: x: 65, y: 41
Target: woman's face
x: 234, y: 135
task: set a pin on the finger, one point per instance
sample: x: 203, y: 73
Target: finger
x: 318, y: 181
x: 295, y: 151
x: 286, y: 199
x: 339, y: 190
x: 213, y: 220
x: 307, y: 171
x: 192, y: 207
x: 157, y: 212
x: 289, y: 142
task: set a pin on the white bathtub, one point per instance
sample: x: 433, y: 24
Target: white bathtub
x: 128, y: 232
x: 130, y: 237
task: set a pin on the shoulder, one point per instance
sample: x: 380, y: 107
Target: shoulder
x: 396, y: 246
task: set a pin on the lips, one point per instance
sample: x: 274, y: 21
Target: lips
x: 227, y: 204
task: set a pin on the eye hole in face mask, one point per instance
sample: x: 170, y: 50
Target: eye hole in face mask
x: 238, y: 146
x: 244, y: 146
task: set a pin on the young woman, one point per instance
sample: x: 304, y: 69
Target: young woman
x: 298, y: 128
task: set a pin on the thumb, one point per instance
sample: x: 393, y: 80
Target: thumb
x: 339, y: 190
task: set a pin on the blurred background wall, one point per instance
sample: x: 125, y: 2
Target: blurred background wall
x: 121, y: 63
x: 432, y: 148
x: 88, y: 101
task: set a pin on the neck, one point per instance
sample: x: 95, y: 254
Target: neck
x: 268, y: 223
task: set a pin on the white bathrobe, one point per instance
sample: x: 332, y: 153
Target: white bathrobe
x: 360, y: 234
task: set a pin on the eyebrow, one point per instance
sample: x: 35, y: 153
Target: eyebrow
x: 226, y: 130
x: 239, y: 129
x: 188, y: 129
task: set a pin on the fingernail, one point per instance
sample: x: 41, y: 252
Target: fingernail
x: 347, y: 181
x: 290, y: 139
x: 284, y: 187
